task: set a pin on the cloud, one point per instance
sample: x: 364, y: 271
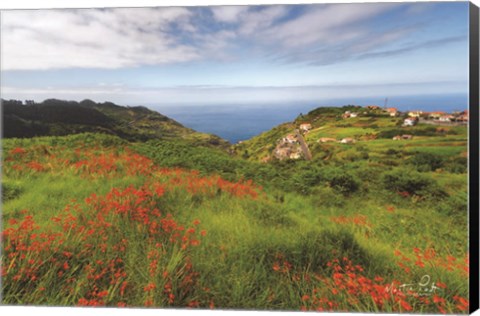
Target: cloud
x: 94, y: 38
x: 406, y: 49
x: 229, y: 14
x: 326, y: 24
x: 259, y: 20
x: 130, y: 37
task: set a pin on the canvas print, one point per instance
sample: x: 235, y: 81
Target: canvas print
x: 266, y: 157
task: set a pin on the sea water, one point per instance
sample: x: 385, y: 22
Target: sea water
x: 240, y: 121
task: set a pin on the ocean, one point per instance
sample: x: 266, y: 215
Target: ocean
x: 236, y: 122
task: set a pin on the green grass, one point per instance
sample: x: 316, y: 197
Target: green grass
x: 275, y: 249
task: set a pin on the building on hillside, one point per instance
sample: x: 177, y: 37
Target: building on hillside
x: 410, y: 121
x: 305, y: 127
x: 372, y: 107
x: 398, y: 137
x: 415, y: 113
x: 353, y: 114
x: 446, y: 118
x: 295, y: 155
x: 436, y: 115
x: 463, y: 117
x: 347, y: 140
x: 346, y: 114
x: 392, y: 111
x: 290, y: 139
x: 326, y: 140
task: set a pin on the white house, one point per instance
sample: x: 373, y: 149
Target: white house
x: 347, y: 140
x: 409, y: 121
x: 290, y: 138
x: 305, y: 127
x: 446, y: 118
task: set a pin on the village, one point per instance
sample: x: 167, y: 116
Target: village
x: 293, y: 145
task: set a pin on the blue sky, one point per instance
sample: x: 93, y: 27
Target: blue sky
x: 236, y: 54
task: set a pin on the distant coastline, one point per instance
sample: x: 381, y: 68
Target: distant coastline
x: 236, y: 122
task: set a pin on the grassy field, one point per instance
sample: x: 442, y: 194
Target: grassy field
x: 94, y: 220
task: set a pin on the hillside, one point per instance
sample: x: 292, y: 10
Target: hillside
x: 57, y: 117
x: 93, y: 219
x: 371, y: 132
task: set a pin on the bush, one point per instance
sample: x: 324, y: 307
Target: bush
x: 344, y: 183
x: 390, y: 133
x: 455, y: 207
x: 303, y: 181
x: 10, y: 190
x: 457, y: 165
x: 426, y: 161
x: 392, y: 152
x: 412, y: 183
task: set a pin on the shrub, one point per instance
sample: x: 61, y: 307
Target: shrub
x: 303, y: 181
x: 412, y: 183
x: 392, y: 152
x: 426, y: 161
x: 455, y: 207
x: 10, y: 190
x: 457, y: 165
x: 390, y: 133
x: 344, y: 183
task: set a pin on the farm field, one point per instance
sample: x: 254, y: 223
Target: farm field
x: 99, y: 220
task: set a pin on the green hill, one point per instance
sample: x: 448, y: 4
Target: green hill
x: 57, y: 117
x: 371, y: 131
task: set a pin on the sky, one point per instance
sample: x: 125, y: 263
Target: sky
x: 235, y: 54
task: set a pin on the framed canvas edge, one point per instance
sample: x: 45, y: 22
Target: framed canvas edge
x: 474, y: 221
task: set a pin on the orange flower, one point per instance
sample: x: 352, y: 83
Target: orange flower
x: 405, y: 305
x: 438, y: 300
x: 276, y: 267
x: 102, y: 294
x: 149, y: 287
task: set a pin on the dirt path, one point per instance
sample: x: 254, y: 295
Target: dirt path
x: 303, y: 145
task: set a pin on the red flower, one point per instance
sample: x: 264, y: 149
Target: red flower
x: 276, y: 267
x: 102, y: 294
x: 405, y: 305
x: 149, y: 287
x: 438, y: 300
